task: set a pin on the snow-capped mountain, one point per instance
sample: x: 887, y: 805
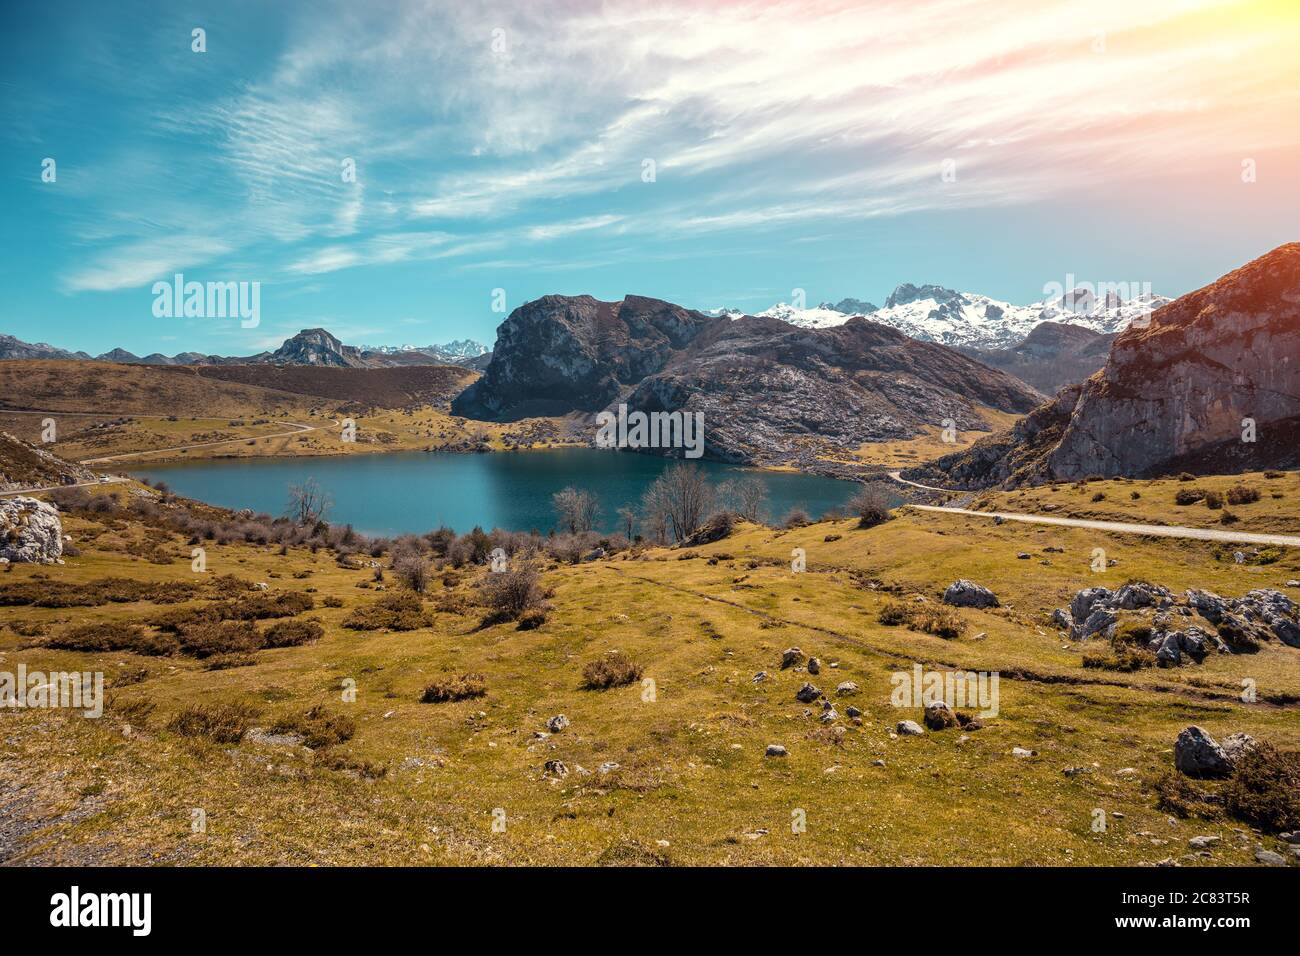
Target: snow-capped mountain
x: 455, y: 352
x: 933, y: 313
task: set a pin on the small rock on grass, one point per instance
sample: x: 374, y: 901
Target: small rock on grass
x: 909, y: 728
x: 1269, y: 858
x: 775, y: 750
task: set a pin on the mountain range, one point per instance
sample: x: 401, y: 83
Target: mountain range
x: 308, y: 347
x: 932, y: 313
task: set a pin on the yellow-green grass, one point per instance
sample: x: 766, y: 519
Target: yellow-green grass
x: 691, y: 754
x: 1277, y: 510
x: 929, y: 445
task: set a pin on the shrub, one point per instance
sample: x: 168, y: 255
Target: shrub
x: 1265, y: 789
x: 1177, y: 795
x: 207, y: 638
x: 332, y: 601
x: 225, y: 662
x: 796, y: 518
x: 1243, y: 494
x: 1213, y: 500
x: 293, y: 633
x: 220, y: 723
x: 318, y: 727
x: 448, y: 689
x: 112, y: 636
x: 399, y: 611
x: 269, y: 604
x: 615, y: 669
x: 413, y: 570
x: 1099, y: 496
x: 1189, y: 496
x: 872, y: 505
x: 892, y: 615
x: 508, y: 594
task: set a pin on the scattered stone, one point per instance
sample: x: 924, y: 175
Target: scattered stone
x: 557, y: 723
x: 1269, y: 858
x: 607, y: 767
x: 852, y: 711
x: 1022, y: 752
x: 807, y: 694
x: 1023, y: 556
x: 793, y: 657
x: 909, y: 728
x: 963, y: 593
x: 555, y: 768
x: 759, y: 677
x: 1061, y: 618
x: 846, y: 689
x: 1197, y: 754
x: 775, y: 750
x: 829, y: 716
x: 1075, y: 771
x: 877, y: 763
x: 814, y: 666
x: 1202, y: 842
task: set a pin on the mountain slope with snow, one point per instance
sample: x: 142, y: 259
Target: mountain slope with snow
x: 932, y: 313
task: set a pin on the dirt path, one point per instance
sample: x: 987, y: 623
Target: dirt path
x: 299, y: 429
x: 110, y: 480
x: 1117, y: 527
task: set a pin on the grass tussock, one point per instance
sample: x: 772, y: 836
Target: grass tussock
x: 447, y: 689
x: 930, y: 618
x: 219, y: 723
x: 614, y: 669
x: 317, y: 727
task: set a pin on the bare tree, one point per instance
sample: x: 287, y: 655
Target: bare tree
x: 308, y: 503
x: 680, y: 498
x: 751, y: 499
x: 575, y: 508
x: 627, y: 520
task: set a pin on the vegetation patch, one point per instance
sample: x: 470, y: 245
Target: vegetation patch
x: 317, y: 727
x: 448, y: 689
x: 614, y: 669
x: 219, y: 723
x: 399, y: 611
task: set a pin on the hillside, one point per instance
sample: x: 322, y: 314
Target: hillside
x: 24, y: 465
x: 1053, y: 355
x: 1209, y: 385
x: 670, y: 772
x: 370, y: 387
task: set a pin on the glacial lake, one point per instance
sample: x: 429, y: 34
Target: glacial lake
x: 390, y: 494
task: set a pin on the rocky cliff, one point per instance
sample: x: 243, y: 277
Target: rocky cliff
x: 1053, y: 355
x: 1174, y: 394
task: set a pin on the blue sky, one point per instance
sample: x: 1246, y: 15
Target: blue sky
x: 503, y: 145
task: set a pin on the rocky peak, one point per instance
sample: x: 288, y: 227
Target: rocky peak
x: 907, y: 292
x: 316, y: 347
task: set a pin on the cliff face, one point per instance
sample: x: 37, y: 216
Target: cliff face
x: 560, y: 354
x: 1173, y: 394
x: 769, y: 392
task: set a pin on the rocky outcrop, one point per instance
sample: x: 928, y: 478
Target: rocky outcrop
x: 1197, y: 754
x: 1176, y: 392
x: 24, y: 465
x: 30, y: 531
x: 1242, y: 624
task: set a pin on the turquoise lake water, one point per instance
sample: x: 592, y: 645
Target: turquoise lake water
x: 417, y: 492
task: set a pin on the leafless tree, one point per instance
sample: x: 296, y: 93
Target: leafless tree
x: 627, y: 520
x: 751, y: 499
x: 872, y: 504
x: 680, y: 498
x: 576, y: 509
x: 308, y: 503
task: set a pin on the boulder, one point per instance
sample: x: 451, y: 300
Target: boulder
x: 1197, y: 754
x: 557, y: 723
x: 792, y: 657
x: 807, y: 694
x: 1081, y: 604
x: 846, y: 689
x: 775, y: 750
x: 1235, y: 746
x: 963, y: 593
x: 909, y: 728
x: 30, y: 531
x: 939, y: 716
